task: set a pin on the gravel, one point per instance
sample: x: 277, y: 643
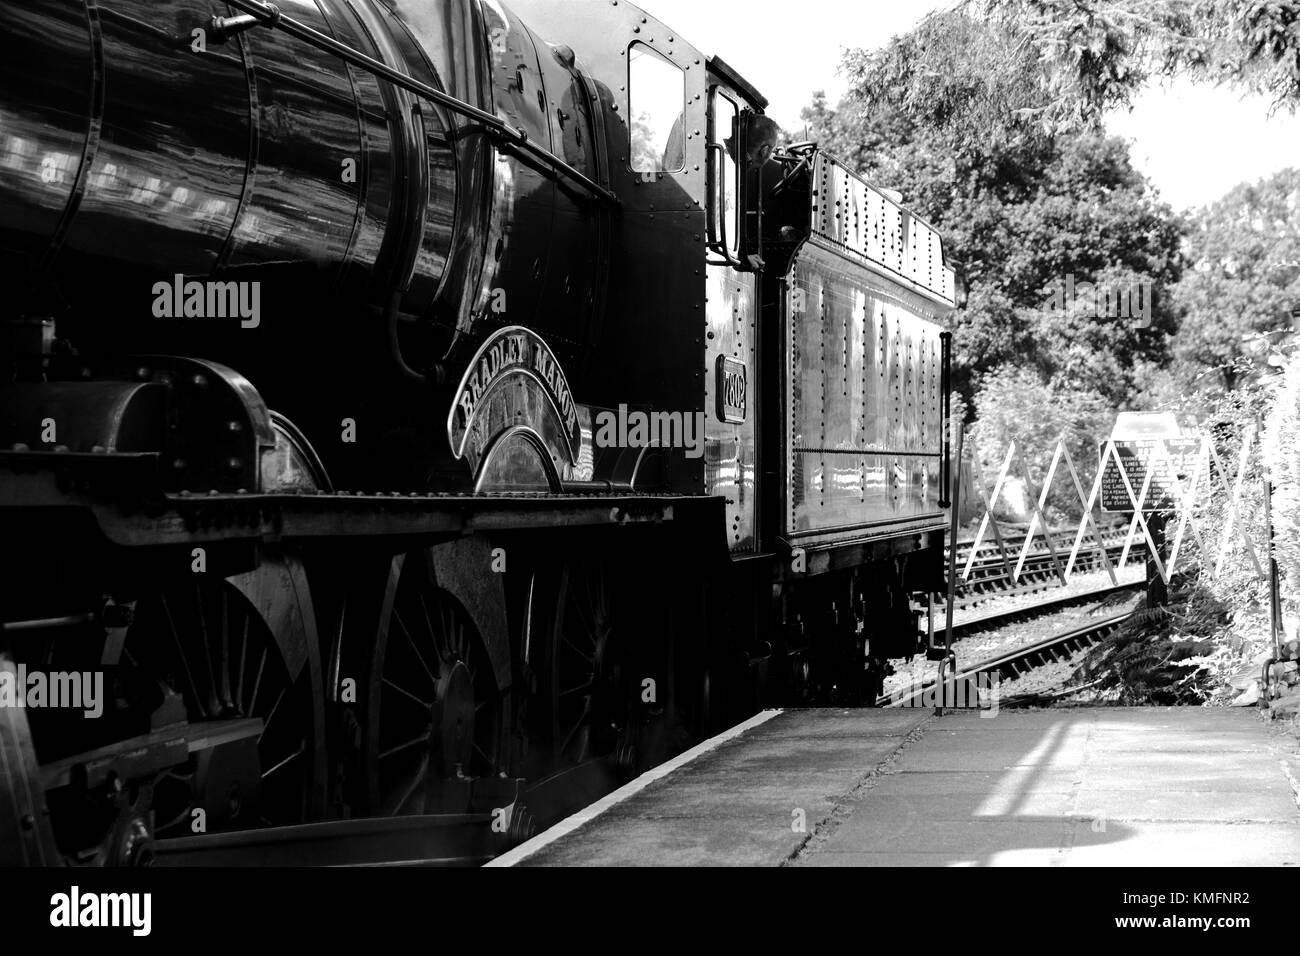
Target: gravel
x: 998, y: 640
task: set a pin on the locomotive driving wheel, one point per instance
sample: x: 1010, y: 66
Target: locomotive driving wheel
x: 582, y: 674
x: 434, y: 717
x: 210, y: 645
x: 212, y: 716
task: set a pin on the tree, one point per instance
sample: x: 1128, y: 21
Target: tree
x: 1024, y: 220
x: 1244, y: 279
x: 995, y: 71
x: 1016, y: 404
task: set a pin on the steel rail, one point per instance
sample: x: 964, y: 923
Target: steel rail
x: 1014, y: 661
x: 997, y: 618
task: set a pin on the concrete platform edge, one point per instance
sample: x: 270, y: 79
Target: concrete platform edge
x: 587, y: 814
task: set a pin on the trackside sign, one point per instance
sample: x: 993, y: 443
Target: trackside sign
x: 1150, y: 458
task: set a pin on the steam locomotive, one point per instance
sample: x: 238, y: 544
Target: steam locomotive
x: 420, y: 415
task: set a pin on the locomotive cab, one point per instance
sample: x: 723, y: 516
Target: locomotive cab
x: 741, y: 140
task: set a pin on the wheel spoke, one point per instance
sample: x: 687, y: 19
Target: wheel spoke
x: 406, y: 744
x: 271, y: 716
x: 428, y: 622
x: 302, y: 749
x: 225, y: 651
x: 411, y: 787
x: 454, y: 644
x: 257, y: 684
x: 176, y: 639
x: 577, y: 726
x: 424, y: 704
x: 243, y: 659
x: 397, y: 618
x: 589, y: 660
x: 446, y: 635
x: 207, y: 650
x: 582, y: 610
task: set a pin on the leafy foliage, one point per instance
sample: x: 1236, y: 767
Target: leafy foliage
x: 1015, y: 403
x: 1244, y: 277
x: 1152, y: 657
x: 1006, y: 71
x: 1280, y: 446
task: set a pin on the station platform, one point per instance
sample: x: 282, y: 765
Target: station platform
x: 897, y: 787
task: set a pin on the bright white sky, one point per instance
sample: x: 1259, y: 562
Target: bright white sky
x: 1195, y: 142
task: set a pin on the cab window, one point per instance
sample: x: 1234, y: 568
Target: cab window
x: 725, y: 132
x: 656, y: 112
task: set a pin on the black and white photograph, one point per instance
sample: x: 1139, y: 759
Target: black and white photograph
x: 577, y: 435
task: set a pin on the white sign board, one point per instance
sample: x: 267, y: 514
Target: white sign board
x: 1157, y: 452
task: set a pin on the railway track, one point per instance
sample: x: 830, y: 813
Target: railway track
x: 991, y: 577
x: 1000, y: 618
x: 989, y: 555
x: 1007, y: 665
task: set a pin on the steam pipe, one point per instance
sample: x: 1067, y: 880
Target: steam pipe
x: 516, y: 139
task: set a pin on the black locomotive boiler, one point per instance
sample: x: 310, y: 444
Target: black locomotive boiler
x: 422, y: 414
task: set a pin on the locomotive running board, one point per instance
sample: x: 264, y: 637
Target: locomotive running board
x: 122, y: 493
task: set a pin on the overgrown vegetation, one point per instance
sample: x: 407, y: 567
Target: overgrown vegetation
x: 1161, y: 655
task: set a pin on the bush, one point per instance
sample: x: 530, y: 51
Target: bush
x: 1017, y: 404
x: 1281, y: 453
